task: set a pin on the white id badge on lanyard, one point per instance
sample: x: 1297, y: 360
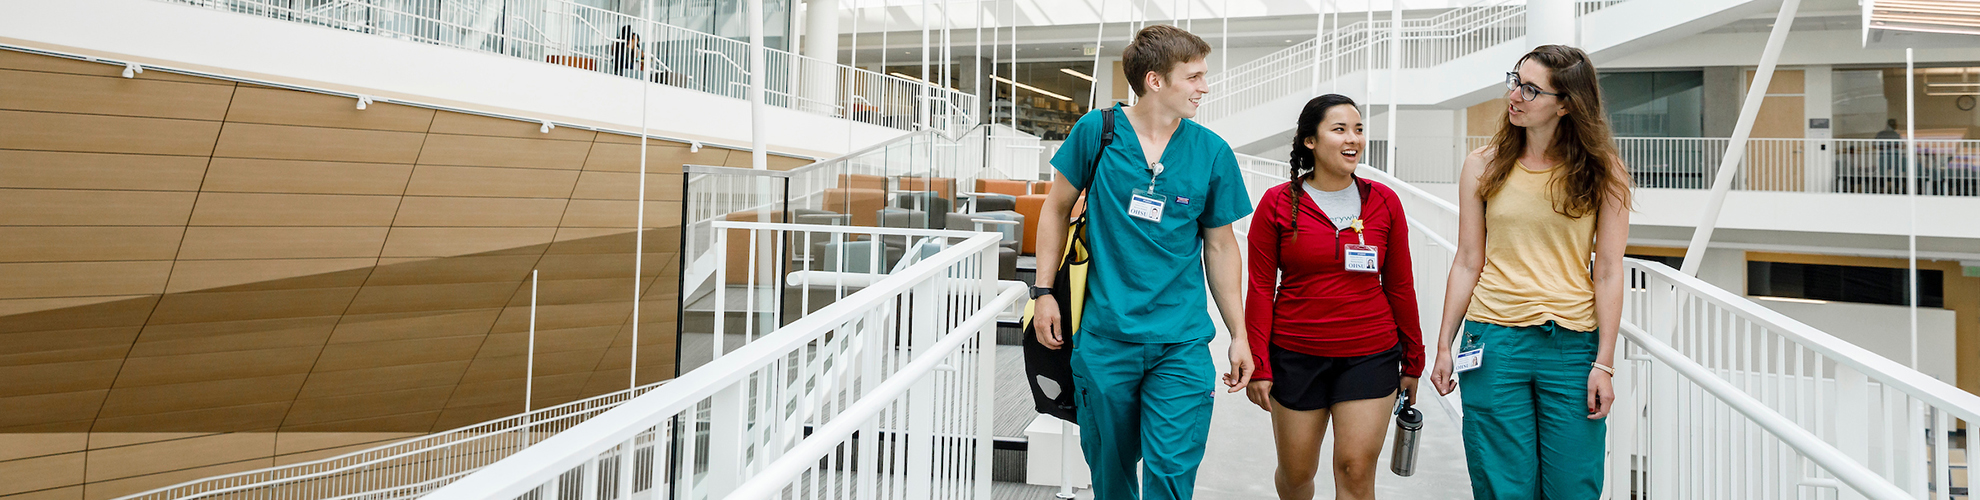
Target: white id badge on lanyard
x: 1471, y: 355
x: 1361, y: 258
x: 1146, y: 205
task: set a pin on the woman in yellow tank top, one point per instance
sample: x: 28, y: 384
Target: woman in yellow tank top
x: 1537, y: 314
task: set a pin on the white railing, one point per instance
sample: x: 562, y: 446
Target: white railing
x: 585, y: 37
x: 885, y: 393
x: 990, y: 151
x: 1869, y: 166
x: 1361, y: 46
x: 1720, y: 397
x: 402, y: 469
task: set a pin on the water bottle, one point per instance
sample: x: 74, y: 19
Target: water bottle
x: 1402, y: 458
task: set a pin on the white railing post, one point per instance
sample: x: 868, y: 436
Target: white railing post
x: 920, y: 431
x: 725, y: 439
x: 1850, y: 419
x: 986, y: 379
x: 1661, y: 477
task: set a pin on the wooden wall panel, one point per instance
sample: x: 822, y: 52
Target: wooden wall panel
x: 198, y: 269
x: 66, y: 207
x: 81, y: 94
x: 69, y: 170
x: 284, y: 142
x: 82, y: 244
x: 41, y: 131
x: 253, y: 104
x: 249, y: 175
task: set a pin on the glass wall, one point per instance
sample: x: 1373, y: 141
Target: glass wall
x: 1868, y: 100
x: 1655, y: 103
x: 722, y: 18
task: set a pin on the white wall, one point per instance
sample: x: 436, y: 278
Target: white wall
x: 244, y: 46
x: 1884, y: 330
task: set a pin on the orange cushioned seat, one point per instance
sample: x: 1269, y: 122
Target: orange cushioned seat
x: 942, y: 185
x: 1029, y: 206
x: 860, y: 203
x: 1003, y: 186
x: 860, y: 181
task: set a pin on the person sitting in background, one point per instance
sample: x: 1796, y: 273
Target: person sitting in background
x: 628, y: 57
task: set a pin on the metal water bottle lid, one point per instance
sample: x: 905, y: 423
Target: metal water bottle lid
x: 1409, y: 419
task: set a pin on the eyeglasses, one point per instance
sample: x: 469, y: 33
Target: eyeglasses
x: 1528, y: 90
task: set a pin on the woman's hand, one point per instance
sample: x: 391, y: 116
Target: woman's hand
x: 1441, y: 375
x: 1601, y: 394
x: 1260, y: 393
x: 1409, y: 388
x: 1241, y: 366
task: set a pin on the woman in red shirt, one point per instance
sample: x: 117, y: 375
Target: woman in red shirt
x: 1332, y: 309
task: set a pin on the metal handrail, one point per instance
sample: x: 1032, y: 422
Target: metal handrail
x: 1808, y: 444
x: 526, y: 470
x: 823, y: 440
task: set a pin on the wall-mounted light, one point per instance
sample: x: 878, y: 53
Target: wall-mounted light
x: 131, y: 70
x: 363, y: 100
x: 547, y: 127
x: 1082, y: 76
x: 694, y: 146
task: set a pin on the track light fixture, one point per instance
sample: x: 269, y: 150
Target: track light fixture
x: 694, y: 146
x: 547, y: 127
x: 131, y: 70
x: 363, y: 100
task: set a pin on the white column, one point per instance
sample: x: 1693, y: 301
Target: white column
x: 1549, y: 22
x: 821, y: 48
x: 1819, y: 152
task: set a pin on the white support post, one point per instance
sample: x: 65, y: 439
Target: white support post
x: 725, y: 439
x: 986, y: 377
x: 920, y: 432
x: 1395, y: 74
x: 1694, y: 256
x: 1661, y: 478
x: 1849, y: 417
x: 758, y: 125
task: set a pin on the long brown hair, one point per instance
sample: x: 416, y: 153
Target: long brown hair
x: 1582, y: 142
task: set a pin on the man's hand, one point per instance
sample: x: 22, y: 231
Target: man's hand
x: 1045, y: 320
x: 1441, y: 375
x: 1260, y: 393
x: 1241, y: 367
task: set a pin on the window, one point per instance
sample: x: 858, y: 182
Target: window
x: 1868, y: 285
x: 1655, y: 103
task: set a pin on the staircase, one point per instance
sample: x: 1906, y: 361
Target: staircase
x: 1449, y: 61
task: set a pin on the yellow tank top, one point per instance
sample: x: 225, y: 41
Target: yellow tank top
x: 1536, y: 260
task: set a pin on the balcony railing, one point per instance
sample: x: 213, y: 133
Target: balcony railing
x: 589, y: 38
x: 1867, y: 166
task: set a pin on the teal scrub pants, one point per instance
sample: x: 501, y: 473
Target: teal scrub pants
x: 1526, y: 429
x: 1147, y: 403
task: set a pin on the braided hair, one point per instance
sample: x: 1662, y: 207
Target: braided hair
x: 1302, y: 156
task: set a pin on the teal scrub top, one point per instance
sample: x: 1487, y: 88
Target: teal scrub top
x: 1146, y: 281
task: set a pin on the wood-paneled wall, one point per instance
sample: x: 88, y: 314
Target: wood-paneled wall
x: 199, y: 276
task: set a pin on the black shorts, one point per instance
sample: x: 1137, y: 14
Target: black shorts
x: 1304, y: 382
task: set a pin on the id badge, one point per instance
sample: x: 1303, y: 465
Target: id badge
x: 1470, y: 356
x: 1361, y: 258
x: 1146, y: 205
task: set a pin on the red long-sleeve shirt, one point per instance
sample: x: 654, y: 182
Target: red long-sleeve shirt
x: 1304, y: 299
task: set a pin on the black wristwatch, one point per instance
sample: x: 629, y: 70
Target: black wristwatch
x: 1040, y: 291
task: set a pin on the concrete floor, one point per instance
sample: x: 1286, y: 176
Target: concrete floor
x: 1239, y: 461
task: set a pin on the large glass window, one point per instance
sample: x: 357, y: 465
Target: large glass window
x: 724, y: 18
x: 1655, y: 103
x: 1869, y: 285
x: 1867, y: 101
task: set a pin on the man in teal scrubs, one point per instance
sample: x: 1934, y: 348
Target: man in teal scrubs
x: 1141, y: 362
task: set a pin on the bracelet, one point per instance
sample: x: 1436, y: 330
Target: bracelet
x: 1605, y: 369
